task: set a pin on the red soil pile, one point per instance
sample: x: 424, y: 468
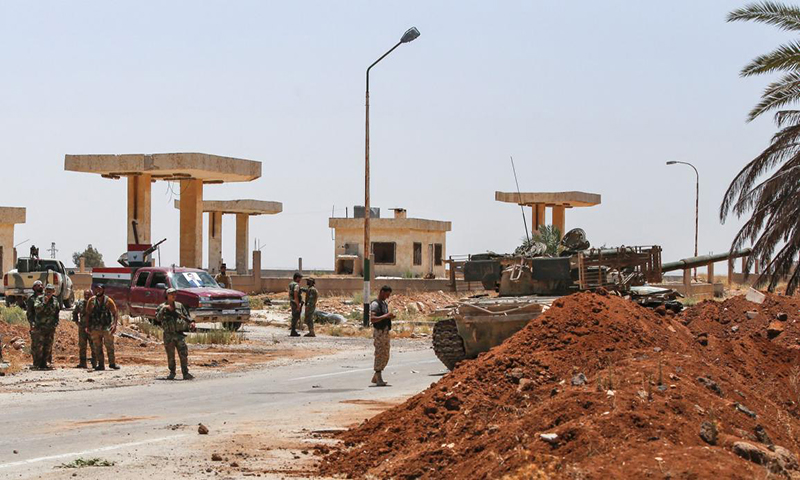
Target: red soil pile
x: 652, y: 384
x: 16, y: 344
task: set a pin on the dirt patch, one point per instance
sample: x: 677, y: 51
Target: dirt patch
x: 598, y: 387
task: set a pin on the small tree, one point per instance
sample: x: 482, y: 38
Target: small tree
x: 92, y: 257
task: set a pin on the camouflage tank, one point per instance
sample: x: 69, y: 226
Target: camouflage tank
x: 527, y: 282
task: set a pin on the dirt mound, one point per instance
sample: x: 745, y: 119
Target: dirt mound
x: 16, y: 344
x: 597, y: 387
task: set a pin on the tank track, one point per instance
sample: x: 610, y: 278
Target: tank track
x: 447, y: 344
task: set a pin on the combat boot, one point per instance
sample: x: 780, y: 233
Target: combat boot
x: 188, y: 376
x: 379, y: 378
x: 171, y: 376
x: 114, y: 366
x: 310, y: 334
x: 81, y: 365
x: 99, y: 367
x: 294, y: 334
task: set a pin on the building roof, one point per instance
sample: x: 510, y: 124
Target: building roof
x: 391, y: 224
x: 566, y: 199
x: 248, y: 206
x: 167, y: 166
x: 12, y: 215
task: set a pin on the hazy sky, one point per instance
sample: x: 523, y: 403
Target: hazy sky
x: 586, y: 95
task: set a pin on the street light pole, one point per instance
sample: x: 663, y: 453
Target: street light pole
x: 696, y: 207
x: 411, y: 34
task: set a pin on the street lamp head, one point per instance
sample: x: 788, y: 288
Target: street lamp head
x: 671, y: 162
x: 410, y: 35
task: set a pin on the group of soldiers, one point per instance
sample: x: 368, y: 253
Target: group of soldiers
x: 97, y: 317
x: 297, y: 302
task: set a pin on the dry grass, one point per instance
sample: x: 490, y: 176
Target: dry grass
x: 215, y: 337
x: 13, y: 315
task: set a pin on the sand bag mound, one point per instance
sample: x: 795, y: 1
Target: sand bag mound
x: 597, y: 387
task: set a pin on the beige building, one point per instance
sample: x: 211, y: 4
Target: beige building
x: 9, y: 216
x: 401, y: 246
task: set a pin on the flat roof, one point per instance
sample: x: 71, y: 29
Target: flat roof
x: 391, y: 223
x: 566, y: 199
x: 12, y: 215
x: 248, y: 206
x: 167, y: 166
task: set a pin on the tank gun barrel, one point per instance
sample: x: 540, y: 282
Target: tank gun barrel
x: 701, y: 260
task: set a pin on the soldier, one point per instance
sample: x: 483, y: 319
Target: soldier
x: 47, y: 307
x: 222, y: 277
x: 381, y: 320
x: 295, y: 302
x: 30, y: 313
x: 80, y: 318
x: 311, y: 305
x: 175, y: 320
x: 101, y: 313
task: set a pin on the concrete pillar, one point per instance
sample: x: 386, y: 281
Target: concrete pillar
x: 242, y: 242
x: 558, y: 218
x: 537, y: 217
x: 300, y: 264
x: 730, y: 272
x: 687, y: 281
x: 214, y: 241
x: 82, y: 265
x: 711, y: 273
x: 139, y: 207
x: 257, y: 271
x: 7, y: 260
x: 191, y: 204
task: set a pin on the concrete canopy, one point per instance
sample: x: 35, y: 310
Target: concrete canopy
x: 565, y: 199
x: 167, y: 166
x: 247, y: 207
x: 9, y: 216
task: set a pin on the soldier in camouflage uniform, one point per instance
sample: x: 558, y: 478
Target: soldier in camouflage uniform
x: 295, y: 302
x: 30, y: 313
x: 381, y: 319
x: 47, y: 308
x: 175, y: 320
x: 101, y: 314
x: 222, y: 277
x: 311, y: 306
x: 81, y: 319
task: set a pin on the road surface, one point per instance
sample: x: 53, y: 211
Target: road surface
x: 151, y: 430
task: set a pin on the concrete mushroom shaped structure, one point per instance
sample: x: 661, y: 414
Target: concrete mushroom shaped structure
x: 243, y: 209
x: 192, y: 170
x: 557, y: 201
x: 9, y: 216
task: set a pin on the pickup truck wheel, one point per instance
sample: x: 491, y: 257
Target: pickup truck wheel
x: 232, y: 326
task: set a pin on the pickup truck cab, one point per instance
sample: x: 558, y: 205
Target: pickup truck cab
x: 141, y: 292
x: 18, y: 283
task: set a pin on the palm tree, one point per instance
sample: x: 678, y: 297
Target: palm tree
x: 546, y: 241
x: 774, y: 202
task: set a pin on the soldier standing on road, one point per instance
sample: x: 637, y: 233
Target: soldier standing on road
x: 30, y: 313
x: 101, y: 312
x: 175, y: 320
x: 47, y: 308
x: 311, y: 305
x: 295, y: 302
x: 381, y: 320
x: 81, y: 319
x: 222, y: 277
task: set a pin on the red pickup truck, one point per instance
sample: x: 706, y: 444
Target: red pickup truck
x: 141, y: 295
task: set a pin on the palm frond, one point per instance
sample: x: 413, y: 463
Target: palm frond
x: 785, y: 57
x: 782, y: 16
x: 778, y: 94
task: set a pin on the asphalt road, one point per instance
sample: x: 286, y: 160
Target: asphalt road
x: 130, y: 424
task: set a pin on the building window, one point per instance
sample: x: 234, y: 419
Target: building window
x: 384, y: 253
x: 417, y: 253
x: 437, y: 254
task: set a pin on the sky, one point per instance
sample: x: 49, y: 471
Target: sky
x: 588, y: 96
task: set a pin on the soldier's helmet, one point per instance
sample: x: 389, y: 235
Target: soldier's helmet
x: 171, y: 290
x: 50, y: 288
x: 38, y: 283
x: 310, y: 281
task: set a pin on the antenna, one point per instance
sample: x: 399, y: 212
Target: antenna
x: 519, y: 196
x: 53, y: 250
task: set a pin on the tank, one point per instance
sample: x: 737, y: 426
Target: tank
x: 527, y: 282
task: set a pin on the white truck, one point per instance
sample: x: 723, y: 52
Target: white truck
x: 18, y: 283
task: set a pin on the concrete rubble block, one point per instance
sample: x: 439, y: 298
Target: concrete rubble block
x: 755, y: 296
x: 775, y: 328
x: 751, y: 314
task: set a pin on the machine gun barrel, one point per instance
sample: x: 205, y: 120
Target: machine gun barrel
x: 701, y: 260
x: 153, y: 248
